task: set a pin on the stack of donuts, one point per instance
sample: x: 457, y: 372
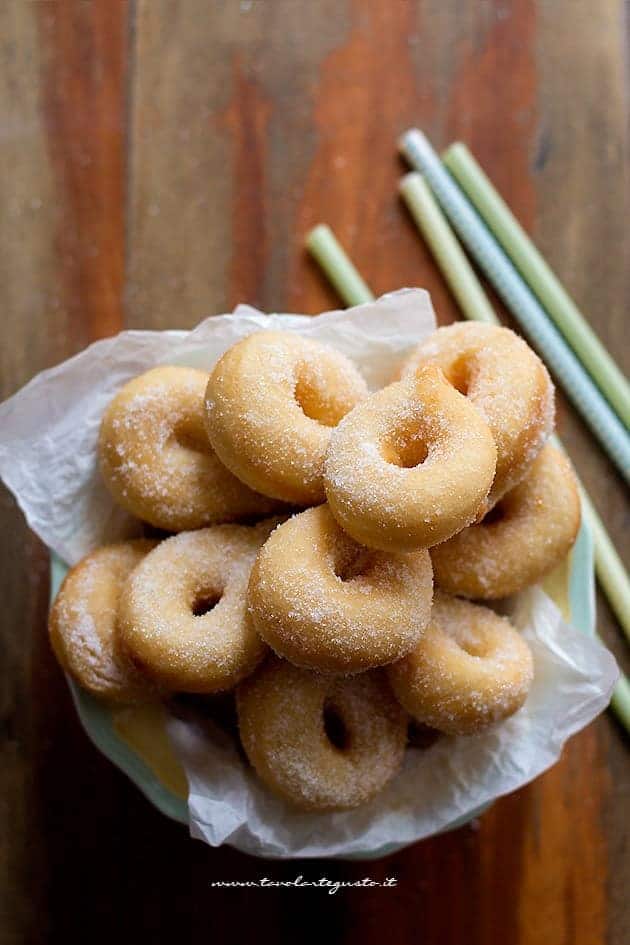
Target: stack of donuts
x: 325, y: 553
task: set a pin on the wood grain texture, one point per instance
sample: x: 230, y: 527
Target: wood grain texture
x: 62, y: 137
x: 163, y: 161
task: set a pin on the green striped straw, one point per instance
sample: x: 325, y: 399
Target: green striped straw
x: 489, y: 255
x: 460, y: 276
x: 540, y: 277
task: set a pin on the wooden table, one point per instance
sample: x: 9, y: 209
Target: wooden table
x: 162, y: 161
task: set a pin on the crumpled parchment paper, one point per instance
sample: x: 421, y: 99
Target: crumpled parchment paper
x: 48, y: 436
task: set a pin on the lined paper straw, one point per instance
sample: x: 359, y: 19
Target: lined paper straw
x: 450, y: 257
x: 324, y: 246
x: 476, y: 236
x: 540, y: 277
x: 449, y: 249
x: 476, y: 306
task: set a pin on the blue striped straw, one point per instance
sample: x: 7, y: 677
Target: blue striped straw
x: 517, y: 296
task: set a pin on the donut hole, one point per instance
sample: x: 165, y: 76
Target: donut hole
x: 459, y: 375
x: 474, y: 645
x: 204, y: 602
x: 314, y: 402
x: 352, y: 563
x: 406, y: 452
x: 317, y: 397
x: 421, y: 736
x: 335, y: 728
x: 135, y: 661
x: 496, y: 514
x: 190, y: 437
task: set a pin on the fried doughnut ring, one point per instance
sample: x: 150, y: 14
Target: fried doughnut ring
x: 271, y: 402
x: 183, y: 615
x: 506, y: 381
x: 83, y: 624
x: 523, y: 538
x: 325, y: 603
x: 157, y: 461
x: 469, y: 669
x: 411, y: 465
x: 319, y: 742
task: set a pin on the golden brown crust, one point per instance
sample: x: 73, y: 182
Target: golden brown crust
x: 83, y: 624
x: 283, y: 713
x: 156, y: 459
x: 326, y: 603
x: 506, y: 381
x: 470, y: 668
x: 410, y: 466
x: 528, y: 533
x: 272, y: 401
x: 183, y: 614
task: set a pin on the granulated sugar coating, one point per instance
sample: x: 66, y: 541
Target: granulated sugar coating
x: 319, y: 742
x: 528, y: 533
x: 506, y: 381
x: 272, y: 401
x: 83, y: 624
x: 305, y: 619
x: 183, y: 614
x: 410, y: 466
x: 326, y: 603
x: 157, y: 461
x: 470, y: 668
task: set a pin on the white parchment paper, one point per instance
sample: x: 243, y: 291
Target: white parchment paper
x: 49, y: 429
x: 48, y: 436
x: 574, y: 675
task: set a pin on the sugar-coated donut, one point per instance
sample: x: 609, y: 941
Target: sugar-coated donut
x: 506, y: 381
x: 183, y: 613
x: 83, y: 624
x: 411, y: 465
x: 271, y: 402
x: 524, y: 537
x: 321, y: 743
x: 156, y: 459
x: 469, y: 669
x: 326, y: 603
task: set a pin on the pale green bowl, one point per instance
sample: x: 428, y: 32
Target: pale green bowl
x: 98, y: 721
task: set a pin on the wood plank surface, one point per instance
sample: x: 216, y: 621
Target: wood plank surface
x: 163, y: 161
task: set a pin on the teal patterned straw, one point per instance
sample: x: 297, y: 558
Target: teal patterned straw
x: 539, y: 277
x: 482, y: 245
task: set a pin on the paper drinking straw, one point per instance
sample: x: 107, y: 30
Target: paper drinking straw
x: 620, y: 701
x: 323, y: 244
x: 525, y: 307
x: 475, y: 305
x: 610, y: 569
x: 448, y: 253
x: 326, y: 257
x: 540, y: 278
